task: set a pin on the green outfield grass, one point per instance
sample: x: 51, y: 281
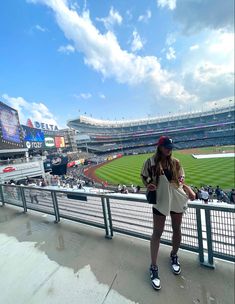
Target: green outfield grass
x: 126, y: 170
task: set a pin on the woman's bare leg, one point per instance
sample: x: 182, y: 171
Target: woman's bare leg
x: 158, y: 226
x: 176, y: 220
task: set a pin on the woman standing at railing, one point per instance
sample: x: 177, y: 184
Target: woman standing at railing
x: 164, y: 178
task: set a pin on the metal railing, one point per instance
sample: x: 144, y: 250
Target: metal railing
x: 206, y: 229
x: 21, y: 160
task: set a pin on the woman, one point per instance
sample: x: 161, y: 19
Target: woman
x: 164, y: 173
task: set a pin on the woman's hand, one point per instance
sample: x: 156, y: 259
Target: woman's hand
x: 151, y: 187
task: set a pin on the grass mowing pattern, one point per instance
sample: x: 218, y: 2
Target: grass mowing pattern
x: 217, y: 171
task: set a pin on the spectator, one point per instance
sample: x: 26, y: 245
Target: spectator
x: 218, y: 193
x: 199, y: 194
x: 204, y: 195
x: 223, y: 196
x: 124, y: 189
x: 196, y: 192
x: 133, y: 188
x: 106, y: 184
x: 33, y: 194
x: 232, y: 197
x: 43, y: 183
x: 210, y: 191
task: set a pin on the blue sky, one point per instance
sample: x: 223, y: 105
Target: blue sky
x: 115, y: 59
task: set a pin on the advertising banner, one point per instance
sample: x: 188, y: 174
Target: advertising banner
x: 58, y: 163
x: 59, y: 142
x: 11, y: 136
x: 33, y: 138
x: 49, y: 142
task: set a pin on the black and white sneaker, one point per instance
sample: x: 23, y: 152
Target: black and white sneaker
x: 175, y: 264
x: 154, y: 277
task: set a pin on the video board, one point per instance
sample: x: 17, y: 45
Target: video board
x: 59, y: 142
x: 33, y: 138
x: 49, y: 141
x: 58, y: 163
x: 11, y: 136
x: 32, y: 134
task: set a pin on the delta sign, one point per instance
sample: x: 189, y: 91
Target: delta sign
x: 41, y: 125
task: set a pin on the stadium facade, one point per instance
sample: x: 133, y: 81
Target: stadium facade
x: 207, y: 128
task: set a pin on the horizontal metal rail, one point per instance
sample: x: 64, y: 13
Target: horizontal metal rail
x: 206, y: 229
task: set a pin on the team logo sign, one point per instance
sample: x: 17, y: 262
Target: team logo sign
x: 56, y: 161
x: 49, y: 142
x: 8, y: 169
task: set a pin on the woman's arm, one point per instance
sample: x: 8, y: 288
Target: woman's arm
x: 191, y: 194
x: 145, y: 176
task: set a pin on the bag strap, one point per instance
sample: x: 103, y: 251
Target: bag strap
x: 161, y: 169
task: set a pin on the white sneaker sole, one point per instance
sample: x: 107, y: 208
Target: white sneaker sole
x: 176, y: 273
x: 156, y: 287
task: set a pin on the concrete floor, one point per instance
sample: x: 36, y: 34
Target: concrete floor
x: 43, y: 262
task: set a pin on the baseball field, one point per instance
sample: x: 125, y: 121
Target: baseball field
x: 199, y: 172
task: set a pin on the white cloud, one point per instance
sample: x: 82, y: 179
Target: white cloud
x: 67, y: 49
x: 75, y: 6
x: 170, y: 39
x: 217, y: 51
x: 209, y: 73
x: 171, y: 4
x: 222, y: 43
x: 194, y: 47
x: 103, y: 53
x: 145, y: 17
x: 170, y: 55
x: 210, y: 81
x: 206, y: 72
x: 34, y: 111
x: 40, y: 28
x: 113, y: 18
x: 137, y: 43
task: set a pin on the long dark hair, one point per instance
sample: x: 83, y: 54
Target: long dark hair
x: 171, y: 163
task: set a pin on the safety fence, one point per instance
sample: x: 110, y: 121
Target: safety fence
x: 207, y: 229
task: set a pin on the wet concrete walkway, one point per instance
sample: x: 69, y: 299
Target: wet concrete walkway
x: 43, y: 262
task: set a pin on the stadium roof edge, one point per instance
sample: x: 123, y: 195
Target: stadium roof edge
x: 136, y: 122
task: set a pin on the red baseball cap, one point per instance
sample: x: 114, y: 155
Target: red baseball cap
x: 165, y: 142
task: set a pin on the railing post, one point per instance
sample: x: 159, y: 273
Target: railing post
x: 109, y: 217
x: 199, y: 233
x: 105, y: 215
x: 210, y: 262
x: 22, y: 194
x: 56, y: 207
x: 2, y: 196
